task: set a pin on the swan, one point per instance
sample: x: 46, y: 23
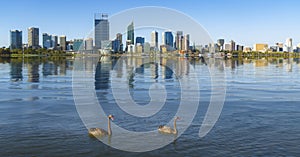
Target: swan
x: 101, y: 132
x: 169, y: 130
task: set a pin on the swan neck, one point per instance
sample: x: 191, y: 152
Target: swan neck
x: 108, y: 127
x: 175, y: 127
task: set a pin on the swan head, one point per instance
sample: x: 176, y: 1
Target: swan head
x: 111, y: 117
x: 177, y: 118
x: 161, y: 126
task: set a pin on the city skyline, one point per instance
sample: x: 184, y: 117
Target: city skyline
x: 218, y: 18
x: 180, y: 42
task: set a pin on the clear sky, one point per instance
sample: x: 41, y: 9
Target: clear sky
x: 245, y: 21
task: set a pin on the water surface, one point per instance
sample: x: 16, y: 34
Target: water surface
x: 260, y: 117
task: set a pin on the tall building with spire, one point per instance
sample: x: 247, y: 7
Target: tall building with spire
x: 101, y: 29
x: 130, y: 33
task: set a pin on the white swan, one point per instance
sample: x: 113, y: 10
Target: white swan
x: 169, y: 130
x: 101, y: 132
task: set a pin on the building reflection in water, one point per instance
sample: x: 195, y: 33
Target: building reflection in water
x: 48, y: 68
x: 63, y: 68
x: 16, y: 70
x: 33, y: 71
x: 102, y: 74
x: 182, y: 67
x: 57, y: 67
x: 289, y: 65
x: 154, y: 70
x: 166, y: 68
x: 136, y: 69
x: 129, y: 67
x: 286, y: 63
x: 54, y: 68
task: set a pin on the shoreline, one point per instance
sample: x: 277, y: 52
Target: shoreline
x: 187, y: 55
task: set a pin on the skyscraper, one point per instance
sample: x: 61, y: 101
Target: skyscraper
x: 101, y: 30
x: 54, y: 40
x: 140, y: 40
x: 186, y: 42
x: 130, y: 33
x: 154, y: 40
x: 289, y: 44
x: 33, y: 37
x: 178, y: 40
x: 47, y: 40
x: 163, y: 38
x: 168, y: 39
x: 119, y: 37
x: 221, y: 44
x: 15, y: 39
x: 232, y: 45
x: 63, y: 42
x: 88, y: 44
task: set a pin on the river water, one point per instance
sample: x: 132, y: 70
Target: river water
x: 260, y: 116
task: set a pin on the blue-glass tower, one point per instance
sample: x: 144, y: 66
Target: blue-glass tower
x: 15, y: 39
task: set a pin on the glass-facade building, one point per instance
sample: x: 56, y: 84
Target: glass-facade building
x: 130, y: 33
x: 140, y: 40
x: 15, y: 39
x: 78, y: 44
x: 101, y: 30
x: 46, y: 40
x: 168, y: 39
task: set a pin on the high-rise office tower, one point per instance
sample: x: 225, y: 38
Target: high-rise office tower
x: 119, y: 37
x: 101, y: 30
x: 186, y: 42
x: 50, y: 41
x: 163, y: 37
x: 130, y: 33
x: 221, y: 44
x: 140, y: 40
x: 15, y: 39
x: 168, y: 39
x: 54, y: 40
x: 178, y: 40
x: 232, y: 45
x: 88, y: 44
x: 33, y: 37
x: 289, y: 44
x: 63, y: 42
x: 154, y: 39
x: 47, y: 40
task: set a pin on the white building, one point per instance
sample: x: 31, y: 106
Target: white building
x: 147, y: 48
x: 227, y: 47
x: 88, y: 44
x: 186, y: 42
x: 289, y: 45
x: 154, y: 39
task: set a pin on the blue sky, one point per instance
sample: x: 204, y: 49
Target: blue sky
x: 245, y: 21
